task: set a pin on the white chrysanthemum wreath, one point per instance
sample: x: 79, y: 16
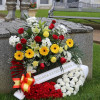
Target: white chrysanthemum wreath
x: 71, y: 81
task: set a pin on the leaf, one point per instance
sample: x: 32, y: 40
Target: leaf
x: 46, y: 29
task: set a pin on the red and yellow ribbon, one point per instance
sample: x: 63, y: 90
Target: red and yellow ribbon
x: 24, y: 83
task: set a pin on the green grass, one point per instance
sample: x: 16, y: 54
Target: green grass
x: 4, y: 13
x: 91, y: 88
x: 44, y: 13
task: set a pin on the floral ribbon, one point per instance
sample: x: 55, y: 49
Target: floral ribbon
x: 24, y: 82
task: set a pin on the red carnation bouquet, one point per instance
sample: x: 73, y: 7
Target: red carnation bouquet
x: 45, y: 91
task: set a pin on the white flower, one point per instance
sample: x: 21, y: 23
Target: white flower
x: 77, y: 74
x: 65, y: 76
x: 13, y: 40
x: 62, y: 83
x: 61, y: 29
x: 77, y: 87
x: 80, y: 83
x: 72, y: 83
x: 46, y: 42
x: 82, y: 79
x: 70, y: 90
x: 75, y: 92
x: 75, y: 79
x: 69, y: 56
x: 81, y: 73
x: 31, y: 21
x: 68, y: 93
x: 63, y: 89
x: 59, y: 80
x: 30, y: 69
x: 64, y: 94
x: 66, y: 80
x: 67, y: 85
x: 57, y: 86
x: 70, y: 75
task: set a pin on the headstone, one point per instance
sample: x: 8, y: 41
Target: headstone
x: 82, y: 35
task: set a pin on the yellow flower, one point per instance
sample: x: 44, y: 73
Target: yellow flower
x: 19, y: 55
x: 29, y: 53
x: 53, y: 59
x: 65, y: 47
x: 44, y: 51
x: 54, y: 48
x: 35, y: 63
x: 70, y: 42
x: 46, y: 34
x: 60, y: 50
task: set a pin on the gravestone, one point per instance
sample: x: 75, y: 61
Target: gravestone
x: 82, y: 35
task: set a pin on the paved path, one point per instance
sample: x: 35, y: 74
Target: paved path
x: 96, y: 36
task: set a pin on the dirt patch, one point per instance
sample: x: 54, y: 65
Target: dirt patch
x: 95, y: 26
x: 96, y: 36
x: 2, y: 16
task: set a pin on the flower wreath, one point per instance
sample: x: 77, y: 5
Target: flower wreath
x: 40, y: 47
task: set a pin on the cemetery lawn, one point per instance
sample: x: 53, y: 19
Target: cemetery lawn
x: 91, y: 88
x: 44, y: 13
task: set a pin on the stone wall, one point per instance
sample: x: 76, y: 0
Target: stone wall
x: 83, y: 35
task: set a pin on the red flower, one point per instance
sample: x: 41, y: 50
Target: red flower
x: 62, y: 60
x: 14, y: 62
x: 37, y: 39
x: 53, y: 21
x: 17, y: 68
x: 42, y: 66
x: 55, y: 36
x: 23, y: 41
x: 19, y: 46
x: 61, y: 37
x: 43, y: 91
x: 51, y: 26
x: 21, y: 31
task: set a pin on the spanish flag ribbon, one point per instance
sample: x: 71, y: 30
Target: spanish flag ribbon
x: 24, y: 82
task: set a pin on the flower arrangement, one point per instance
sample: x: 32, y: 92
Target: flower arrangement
x: 33, y: 5
x: 40, y: 47
x: 44, y: 90
x: 70, y: 82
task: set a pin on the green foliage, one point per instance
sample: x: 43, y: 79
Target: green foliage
x: 76, y: 53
